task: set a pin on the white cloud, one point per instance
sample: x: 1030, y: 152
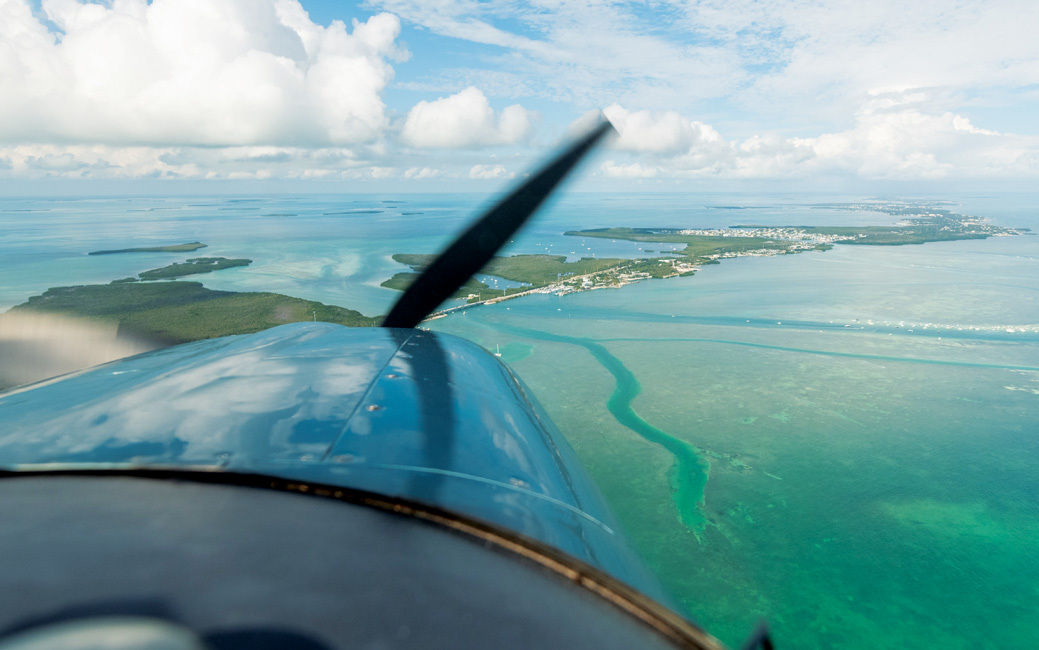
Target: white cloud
x: 588, y: 53
x: 465, y: 120
x: 634, y: 170
x: 108, y: 162
x: 751, y: 66
x: 489, y: 171
x: 665, y: 133
x: 196, y: 72
x: 905, y: 142
x: 58, y: 162
x: 421, y: 173
x: 95, y: 161
x: 890, y: 140
x: 843, y: 50
x: 222, y: 88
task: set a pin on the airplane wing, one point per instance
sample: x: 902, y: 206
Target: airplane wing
x: 398, y: 479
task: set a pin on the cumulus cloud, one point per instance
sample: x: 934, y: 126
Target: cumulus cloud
x: 664, y: 133
x: 465, y: 120
x: 63, y: 162
x: 489, y: 171
x: 109, y: 162
x: 95, y: 161
x: 254, y: 88
x: 633, y: 170
x: 421, y: 173
x: 890, y: 139
x: 191, y: 72
x: 905, y: 142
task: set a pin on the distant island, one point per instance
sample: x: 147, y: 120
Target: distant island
x: 178, y: 312
x: 192, y: 266
x: 919, y: 226
x: 534, y: 271
x: 921, y: 223
x: 174, y: 312
x: 176, y: 248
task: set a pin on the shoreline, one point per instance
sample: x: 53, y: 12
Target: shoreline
x: 920, y: 224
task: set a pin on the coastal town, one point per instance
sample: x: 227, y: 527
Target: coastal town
x: 919, y: 224
x: 799, y: 239
x: 780, y: 241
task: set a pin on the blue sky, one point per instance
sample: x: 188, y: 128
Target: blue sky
x: 415, y: 95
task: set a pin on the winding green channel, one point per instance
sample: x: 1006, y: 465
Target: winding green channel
x: 688, y: 475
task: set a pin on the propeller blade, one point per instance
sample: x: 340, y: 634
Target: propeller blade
x: 477, y: 245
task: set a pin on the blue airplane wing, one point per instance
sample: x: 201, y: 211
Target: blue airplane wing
x: 400, y: 412
x: 418, y: 425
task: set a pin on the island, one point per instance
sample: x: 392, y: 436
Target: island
x: 533, y: 271
x: 920, y: 223
x: 711, y: 244
x: 193, y: 266
x: 178, y: 312
x: 176, y: 248
x: 401, y: 281
x: 172, y: 311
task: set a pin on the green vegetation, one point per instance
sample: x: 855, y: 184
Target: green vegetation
x: 655, y: 268
x: 542, y: 270
x: 890, y: 235
x: 401, y: 281
x: 177, y: 312
x: 417, y: 262
x: 922, y: 222
x: 896, y: 236
x: 535, y: 271
x: 193, y: 266
x: 176, y: 248
x: 697, y: 246
x: 900, y: 236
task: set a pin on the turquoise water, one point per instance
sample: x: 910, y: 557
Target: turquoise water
x: 842, y: 442
x: 689, y: 473
x: 869, y: 483
x: 882, y: 491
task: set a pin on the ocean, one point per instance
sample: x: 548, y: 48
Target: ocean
x: 843, y: 443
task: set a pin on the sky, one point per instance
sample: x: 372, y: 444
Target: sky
x: 465, y: 95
